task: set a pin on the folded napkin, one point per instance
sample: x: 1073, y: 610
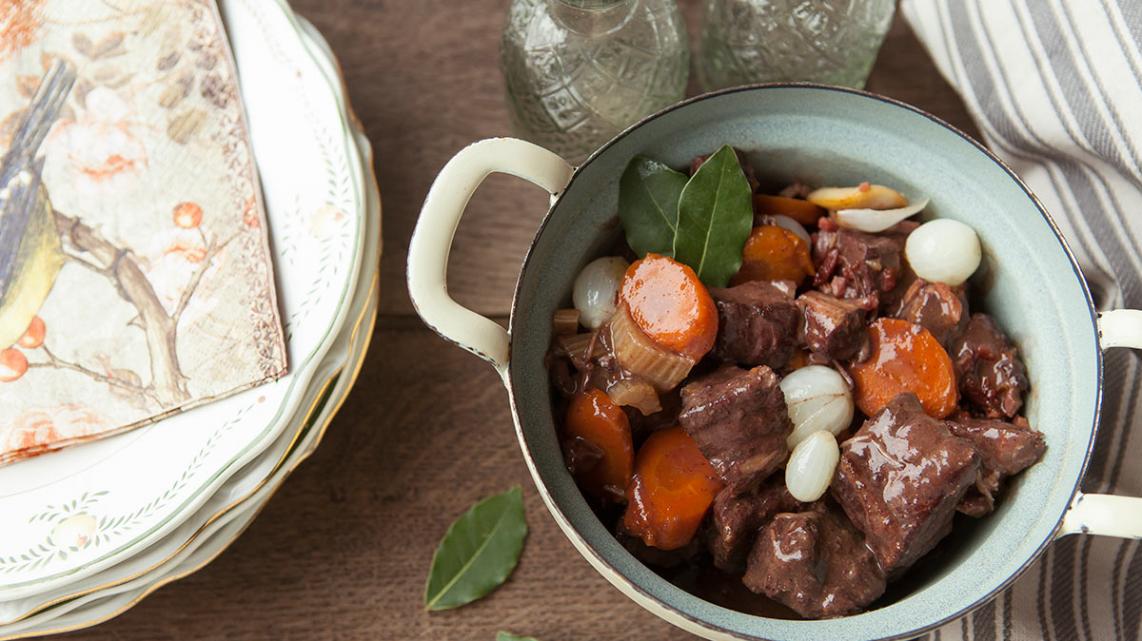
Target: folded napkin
x: 135, y: 273
x: 1055, y: 87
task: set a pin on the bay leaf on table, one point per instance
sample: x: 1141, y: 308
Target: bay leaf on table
x: 478, y: 553
x: 648, y: 205
x: 715, y: 216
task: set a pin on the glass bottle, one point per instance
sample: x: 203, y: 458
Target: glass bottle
x: 750, y: 41
x: 579, y: 71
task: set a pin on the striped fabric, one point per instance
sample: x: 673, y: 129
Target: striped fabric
x: 1055, y: 87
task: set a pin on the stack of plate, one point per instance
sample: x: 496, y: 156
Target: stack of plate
x: 90, y: 531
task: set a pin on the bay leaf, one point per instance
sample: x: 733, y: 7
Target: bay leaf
x: 508, y: 636
x: 478, y: 553
x: 648, y: 205
x: 715, y: 216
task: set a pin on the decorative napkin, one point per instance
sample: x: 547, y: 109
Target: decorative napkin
x: 135, y: 277
x: 1055, y: 87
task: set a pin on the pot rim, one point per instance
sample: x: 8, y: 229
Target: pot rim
x: 585, y: 547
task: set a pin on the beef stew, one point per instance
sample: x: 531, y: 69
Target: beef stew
x: 692, y: 364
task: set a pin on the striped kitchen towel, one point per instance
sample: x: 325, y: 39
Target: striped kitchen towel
x: 1055, y: 87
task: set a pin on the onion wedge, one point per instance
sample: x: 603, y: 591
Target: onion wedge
x: 636, y: 393
x: 877, y: 220
x: 787, y: 223
x: 640, y: 356
x: 580, y: 348
x: 863, y: 196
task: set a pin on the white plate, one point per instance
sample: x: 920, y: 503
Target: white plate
x: 74, y: 513
x: 235, y: 496
x: 218, y: 530
x: 214, y: 538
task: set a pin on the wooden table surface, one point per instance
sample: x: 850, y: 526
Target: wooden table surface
x: 342, y: 551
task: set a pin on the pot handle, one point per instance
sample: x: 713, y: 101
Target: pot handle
x: 439, y: 217
x: 1106, y: 514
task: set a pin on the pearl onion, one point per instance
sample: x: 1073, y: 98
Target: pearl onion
x: 787, y: 223
x: 818, y: 398
x: 943, y: 251
x: 811, y: 466
x: 596, y: 290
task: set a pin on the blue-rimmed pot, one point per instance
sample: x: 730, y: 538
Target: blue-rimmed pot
x: 821, y: 135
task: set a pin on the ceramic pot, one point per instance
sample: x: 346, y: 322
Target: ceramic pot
x: 1030, y: 283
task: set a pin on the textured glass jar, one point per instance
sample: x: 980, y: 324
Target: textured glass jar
x: 749, y: 41
x: 579, y: 71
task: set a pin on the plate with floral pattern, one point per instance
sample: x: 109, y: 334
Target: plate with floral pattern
x: 326, y: 391
x: 73, y: 513
x: 216, y: 537
x: 218, y: 533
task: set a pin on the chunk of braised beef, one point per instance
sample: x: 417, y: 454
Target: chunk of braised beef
x: 857, y: 266
x: 737, y: 518
x: 833, y: 328
x: 563, y: 378
x: 787, y: 287
x: 1002, y: 445
x: 900, y: 478
x: 739, y: 421
x: 757, y: 323
x: 990, y: 375
x: 899, y: 232
x: 816, y: 563
x: 979, y: 501
x: 1005, y: 449
x: 941, y: 309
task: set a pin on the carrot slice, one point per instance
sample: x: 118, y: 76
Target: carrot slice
x: 774, y: 253
x: 672, y: 489
x: 670, y: 305
x: 594, y: 417
x: 802, y: 211
x: 905, y: 358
